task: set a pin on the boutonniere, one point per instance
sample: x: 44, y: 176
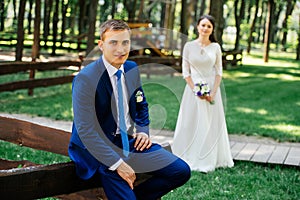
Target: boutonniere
x: 139, y: 96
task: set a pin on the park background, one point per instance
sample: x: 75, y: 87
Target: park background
x: 262, y: 90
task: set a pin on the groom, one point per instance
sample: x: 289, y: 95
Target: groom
x: 110, y: 134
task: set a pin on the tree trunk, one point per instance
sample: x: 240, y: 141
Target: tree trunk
x: 20, y: 31
x: 81, y: 16
x: 289, y: 9
x: 29, y: 17
x: 46, y: 22
x: 248, y: 13
x: 2, y: 16
x: 130, y: 6
x: 92, y: 23
x: 162, y: 14
x: 54, y: 29
x: 64, y: 8
x: 37, y: 24
x: 298, y: 46
x: 275, y: 33
x: 260, y: 25
x: 252, y: 29
x: 238, y: 19
x: 183, y: 25
x: 268, y: 31
x: 15, y: 12
x: 202, y: 8
x: 113, y: 8
x: 140, y: 13
x: 169, y: 25
x: 216, y: 10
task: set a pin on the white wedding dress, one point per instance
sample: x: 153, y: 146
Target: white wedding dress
x: 201, y: 137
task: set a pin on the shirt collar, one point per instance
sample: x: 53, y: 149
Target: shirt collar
x: 111, y: 69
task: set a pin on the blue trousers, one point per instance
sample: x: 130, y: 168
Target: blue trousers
x: 167, y: 173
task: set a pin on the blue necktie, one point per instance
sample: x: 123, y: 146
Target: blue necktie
x: 122, y: 124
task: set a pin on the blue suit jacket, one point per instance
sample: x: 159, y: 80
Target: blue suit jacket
x: 94, y: 109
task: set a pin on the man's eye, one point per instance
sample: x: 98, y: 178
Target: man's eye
x: 125, y: 43
x: 113, y: 42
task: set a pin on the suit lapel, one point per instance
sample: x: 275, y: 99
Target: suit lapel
x: 105, y: 77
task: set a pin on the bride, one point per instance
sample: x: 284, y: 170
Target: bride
x: 201, y: 137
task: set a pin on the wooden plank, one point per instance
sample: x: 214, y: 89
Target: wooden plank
x: 237, y: 148
x: 14, y: 67
x: 279, y: 154
x: 8, y: 164
x: 232, y: 143
x: 263, y: 153
x: 247, y: 152
x: 35, y: 136
x: 158, y: 60
x: 42, y: 181
x: 293, y: 157
x: 33, y: 83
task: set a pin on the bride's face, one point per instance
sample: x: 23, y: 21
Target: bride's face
x: 205, y: 27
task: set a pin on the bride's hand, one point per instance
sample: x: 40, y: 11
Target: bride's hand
x: 209, y: 98
x: 202, y: 97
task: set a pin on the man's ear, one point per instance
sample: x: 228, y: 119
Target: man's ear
x: 100, y: 45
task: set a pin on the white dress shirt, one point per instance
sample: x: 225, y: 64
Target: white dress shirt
x: 113, y: 79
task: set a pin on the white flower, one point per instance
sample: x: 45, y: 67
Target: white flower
x: 139, y: 96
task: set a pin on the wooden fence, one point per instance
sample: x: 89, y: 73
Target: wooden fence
x: 31, y: 68
x: 38, y: 181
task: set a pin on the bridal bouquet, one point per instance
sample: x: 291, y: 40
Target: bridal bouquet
x: 202, y: 89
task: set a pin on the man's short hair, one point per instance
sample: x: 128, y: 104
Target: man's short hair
x: 113, y: 24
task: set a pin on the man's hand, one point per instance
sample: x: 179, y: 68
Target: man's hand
x: 142, y: 141
x: 126, y: 173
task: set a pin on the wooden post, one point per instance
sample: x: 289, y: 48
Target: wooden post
x: 31, y: 77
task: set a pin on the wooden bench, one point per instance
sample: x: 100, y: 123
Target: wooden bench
x: 32, y: 181
x: 233, y: 57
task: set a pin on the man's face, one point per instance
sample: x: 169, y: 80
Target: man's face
x: 115, y: 46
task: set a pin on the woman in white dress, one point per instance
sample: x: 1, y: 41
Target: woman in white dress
x: 201, y: 137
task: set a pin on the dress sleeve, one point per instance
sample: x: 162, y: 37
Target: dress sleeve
x: 218, y: 65
x: 186, y: 72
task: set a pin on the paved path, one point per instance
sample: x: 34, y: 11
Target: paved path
x: 245, y: 148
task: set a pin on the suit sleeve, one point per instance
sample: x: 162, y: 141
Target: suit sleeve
x: 86, y: 123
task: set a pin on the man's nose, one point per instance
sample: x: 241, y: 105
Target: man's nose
x: 120, y: 47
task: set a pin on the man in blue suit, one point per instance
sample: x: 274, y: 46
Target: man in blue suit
x: 97, y: 143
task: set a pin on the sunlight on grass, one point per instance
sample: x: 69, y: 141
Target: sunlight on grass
x: 276, y: 59
x: 286, y: 128
x: 21, y: 96
x: 249, y: 110
x: 285, y: 77
x: 245, y: 110
x: 237, y: 74
x: 262, y: 111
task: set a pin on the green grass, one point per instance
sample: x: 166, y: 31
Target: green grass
x: 33, y: 155
x: 244, y: 181
x: 262, y: 99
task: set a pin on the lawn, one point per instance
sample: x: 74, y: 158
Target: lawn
x: 261, y: 99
